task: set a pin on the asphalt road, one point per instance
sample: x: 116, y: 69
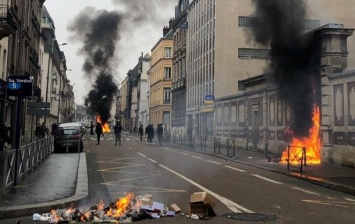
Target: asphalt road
x: 241, y: 192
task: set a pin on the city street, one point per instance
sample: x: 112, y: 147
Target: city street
x: 171, y: 174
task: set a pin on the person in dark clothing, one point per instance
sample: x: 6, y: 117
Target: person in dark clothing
x: 43, y: 131
x: 141, y: 132
x: 151, y: 131
x: 99, y: 132
x: 91, y: 129
x: 38, y: 131
x: 189, y: 133
x: 160, y: 133
x: 54, y: 128
x: 147, y: 132
x: 118, y: 130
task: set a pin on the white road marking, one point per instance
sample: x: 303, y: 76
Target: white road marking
x: 152, y: 160
x: 185, y: 153
x: 305, y: 191
x: 169, y: 149
x: 267, y: 179
x: 233, y: 168
x: 234, y: 207
x: 196, y: 157
x: 213, y: 162
x: 142, y: 155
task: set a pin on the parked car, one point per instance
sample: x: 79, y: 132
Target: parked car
x: 69, y: 135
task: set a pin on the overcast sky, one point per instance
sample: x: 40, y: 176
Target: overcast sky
x: 139, y: 30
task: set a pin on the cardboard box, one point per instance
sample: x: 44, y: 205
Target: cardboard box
x: 201, y: 204
x: 175, y: 208
x: 201, y: 210
x: 202, y: 197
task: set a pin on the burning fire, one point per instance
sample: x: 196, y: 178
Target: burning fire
x: 105, y: 126
x: 115, y: 211
x: 312, y: 143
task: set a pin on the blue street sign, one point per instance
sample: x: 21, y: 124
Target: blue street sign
x: 19, y: 85
x: 209, y: 97
x: 14, y: 85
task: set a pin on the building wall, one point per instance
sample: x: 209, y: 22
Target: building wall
x: 256, y: 116
x: 160, y: 60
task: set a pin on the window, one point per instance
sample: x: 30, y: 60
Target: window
x: 167, y: 52
x: 167, y: 73
x: 241, y: 86
x: 244, y: 21
x: 249, y: 53
x: 167, y: 95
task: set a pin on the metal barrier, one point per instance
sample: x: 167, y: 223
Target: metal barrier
x: 203, y: 143
x: 20, y: 162
x: 296, y: 157
x: 231, y: 147
x: 217, y: 145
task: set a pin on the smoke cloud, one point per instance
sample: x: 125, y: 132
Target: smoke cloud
x: 99, y: 32
x: 294, y: 66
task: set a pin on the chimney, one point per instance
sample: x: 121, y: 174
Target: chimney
x: 165, y: 31
x: 334, y: 51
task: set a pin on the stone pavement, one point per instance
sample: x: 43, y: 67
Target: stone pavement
x: 66, y: 175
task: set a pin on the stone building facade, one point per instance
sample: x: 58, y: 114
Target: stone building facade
x: 256, y: 116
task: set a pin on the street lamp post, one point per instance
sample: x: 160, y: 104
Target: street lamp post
x: 47, y: 86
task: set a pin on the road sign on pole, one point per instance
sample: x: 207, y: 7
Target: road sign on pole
x: 38, y: 108
x: 19, y: 85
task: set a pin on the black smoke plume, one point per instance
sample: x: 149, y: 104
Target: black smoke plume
x: 99, y: 31
x: 294, y: 66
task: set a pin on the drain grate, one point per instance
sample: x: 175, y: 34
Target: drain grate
x: 254, y: 217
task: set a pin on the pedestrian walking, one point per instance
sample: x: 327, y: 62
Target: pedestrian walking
x: 43, y: 131
x: 91, y: 129
x: 118, y: 130
x: 99, y: 132
x: 151, y: 131
x: 160, y: 133
x: 141, y: 132
x: 147, y: 132
x: 54, y: 129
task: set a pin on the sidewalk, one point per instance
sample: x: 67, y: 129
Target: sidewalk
x: 66, y: 175
x: 58, y: 182
x: 329, y: 176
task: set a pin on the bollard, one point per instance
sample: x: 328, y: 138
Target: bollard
x: 305, y: 155
x: 67, y: 148
x: 79, y: 145
x: 288, y: 157
x: 267, y: 152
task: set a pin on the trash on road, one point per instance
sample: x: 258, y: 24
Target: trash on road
x: 201, y: 205
x: 123, y: 210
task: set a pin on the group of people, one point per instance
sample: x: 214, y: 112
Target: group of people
x: 99, y: 132
x: 149, y: 131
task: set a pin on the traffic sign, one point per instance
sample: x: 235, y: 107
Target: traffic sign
x: 14, y: 86
x: 19, y: 85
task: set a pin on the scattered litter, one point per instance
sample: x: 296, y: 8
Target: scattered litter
x: 131, y: 209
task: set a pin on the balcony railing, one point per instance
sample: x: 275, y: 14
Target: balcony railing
x: 167, y: 101
x: 7, y: 25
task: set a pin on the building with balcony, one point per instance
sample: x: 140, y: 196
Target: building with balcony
x: 54, y: 79
x: 20, y: 39
x: 178, y: 89
x: 160, y: 77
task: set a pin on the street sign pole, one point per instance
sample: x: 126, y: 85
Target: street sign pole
x: 17, y: 134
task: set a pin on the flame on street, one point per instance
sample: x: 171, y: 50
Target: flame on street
x: 312, y: 143
x: 105, y: 125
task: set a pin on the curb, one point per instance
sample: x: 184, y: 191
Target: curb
x: 314, y: 180
x: 81, y: 193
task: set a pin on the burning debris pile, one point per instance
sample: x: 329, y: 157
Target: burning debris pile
x: 131, y: 209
